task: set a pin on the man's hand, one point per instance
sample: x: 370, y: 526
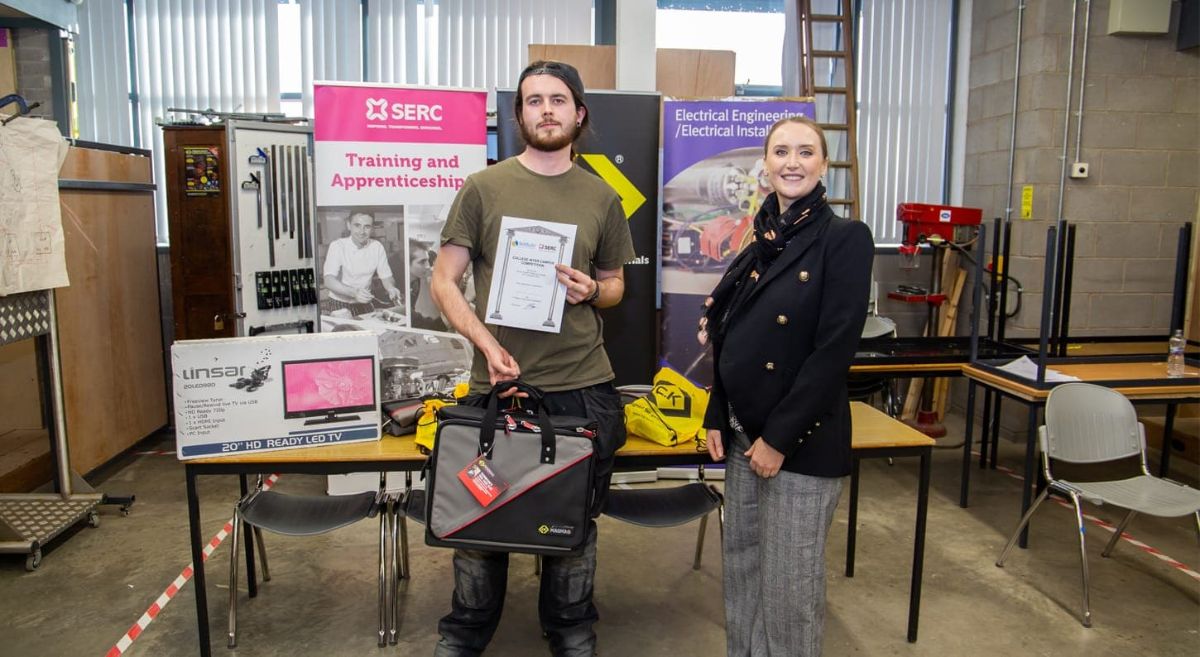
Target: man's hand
x: 394, y: 294
x: 716, y: 447
x: 765, y: 460
x: 580, y: 286
x: 502, y: 367
x: 363, y: 295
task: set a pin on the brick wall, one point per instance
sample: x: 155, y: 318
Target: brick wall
x: 1141, y: 140
x: 32, y: 54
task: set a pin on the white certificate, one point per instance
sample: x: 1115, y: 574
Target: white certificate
x: 525, y: 291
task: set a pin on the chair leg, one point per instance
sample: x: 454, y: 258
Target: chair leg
x: 1112, y: 542
x: 394, y: 580
x: 1024, y: 521
x: 1087, y: 610
x: 700, y: 542
x: 720, y: 515
x: 383, y: 591
x: 233, y: 576
x: 262, y: 554
x: 405, y: 564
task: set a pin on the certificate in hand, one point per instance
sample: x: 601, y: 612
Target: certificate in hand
x: 525, y: 291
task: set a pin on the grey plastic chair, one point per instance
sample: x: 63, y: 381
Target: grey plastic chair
x: 1089, y: 425
x: 309, y: 515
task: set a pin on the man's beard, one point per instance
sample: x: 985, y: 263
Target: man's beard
x: 549, y: 143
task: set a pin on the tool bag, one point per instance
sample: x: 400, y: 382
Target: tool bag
x: 671, y: 413
x: 514, y: 480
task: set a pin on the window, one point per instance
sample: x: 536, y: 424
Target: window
x: 753, y: 29
x: 290, y: 87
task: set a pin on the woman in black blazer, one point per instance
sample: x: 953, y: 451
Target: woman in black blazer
x: 784, y: 322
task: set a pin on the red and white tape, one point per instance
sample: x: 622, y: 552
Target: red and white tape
x: 1104, y: 524
x: 165, y: 597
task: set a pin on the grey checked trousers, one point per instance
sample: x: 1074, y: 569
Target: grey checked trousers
x: 774, y: 558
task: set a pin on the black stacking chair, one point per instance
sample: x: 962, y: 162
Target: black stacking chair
x: 669, y: 507
x: 666, y: 507
x: 309, y: 515
x: 412, y: 506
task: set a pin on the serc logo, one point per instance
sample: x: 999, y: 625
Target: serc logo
x: 381, y: 110
x: 377, y: 109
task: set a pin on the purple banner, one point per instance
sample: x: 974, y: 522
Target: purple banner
x: 713, y: 185
x: 697, y: 129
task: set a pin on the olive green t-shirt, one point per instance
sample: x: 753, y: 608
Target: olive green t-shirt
x: 574, y: 357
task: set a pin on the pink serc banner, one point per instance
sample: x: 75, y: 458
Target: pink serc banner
x: 391, y: 146
x: 398, y: 114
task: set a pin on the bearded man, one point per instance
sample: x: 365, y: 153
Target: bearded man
x: 571, y: 367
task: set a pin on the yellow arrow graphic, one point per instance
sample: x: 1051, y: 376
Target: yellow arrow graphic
x: 631, y: 198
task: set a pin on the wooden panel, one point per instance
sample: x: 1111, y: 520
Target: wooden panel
x: 680, y: 73
x: 695, y: 73
x: 19, y: 390
x: 108, y: 319
x: 25, y: 461
x: 597, y: 65
x: 92, y: 164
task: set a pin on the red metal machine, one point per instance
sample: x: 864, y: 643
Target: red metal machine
x: 940, y: 226
x: 935, y: 223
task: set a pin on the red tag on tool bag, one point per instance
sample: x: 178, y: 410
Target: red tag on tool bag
x: 482, y: 481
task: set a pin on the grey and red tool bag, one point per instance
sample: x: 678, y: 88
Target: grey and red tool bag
x: 510, y: 480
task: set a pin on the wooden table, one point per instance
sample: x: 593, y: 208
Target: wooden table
x: 876, y: 435
x: 1142, y: 380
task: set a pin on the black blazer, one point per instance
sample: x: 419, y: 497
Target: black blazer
x: 784, y: 358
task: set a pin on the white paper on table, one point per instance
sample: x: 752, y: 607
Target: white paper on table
x: 1027, y: 369
x: 525, y: 291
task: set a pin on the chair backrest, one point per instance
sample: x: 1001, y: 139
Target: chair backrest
x: 1087, y: 423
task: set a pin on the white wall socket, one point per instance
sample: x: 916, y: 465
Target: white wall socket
x: 1079, y: 170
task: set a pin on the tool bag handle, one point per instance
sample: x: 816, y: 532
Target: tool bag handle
x: 487, y: 430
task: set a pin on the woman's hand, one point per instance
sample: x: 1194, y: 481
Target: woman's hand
x: 716, y: 446
x: 765, y: 460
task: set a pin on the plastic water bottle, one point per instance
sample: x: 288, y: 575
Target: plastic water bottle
x: 1175, y: 348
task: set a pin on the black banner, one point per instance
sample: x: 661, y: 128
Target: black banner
x: 622, y: 148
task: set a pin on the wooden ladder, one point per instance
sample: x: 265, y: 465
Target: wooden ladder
x: 826, y: 32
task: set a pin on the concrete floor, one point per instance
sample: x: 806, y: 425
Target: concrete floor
x: 92, y: 587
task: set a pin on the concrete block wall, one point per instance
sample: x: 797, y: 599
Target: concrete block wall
x: 1140, y: 138
x: 32, y: 54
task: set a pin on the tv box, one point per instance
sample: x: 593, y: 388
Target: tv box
x: 260, y: 394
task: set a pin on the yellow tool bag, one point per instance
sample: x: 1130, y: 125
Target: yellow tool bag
x: 427, y: 417
x: 672, y: 413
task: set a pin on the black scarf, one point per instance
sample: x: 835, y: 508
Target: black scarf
x: 772, y: 232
